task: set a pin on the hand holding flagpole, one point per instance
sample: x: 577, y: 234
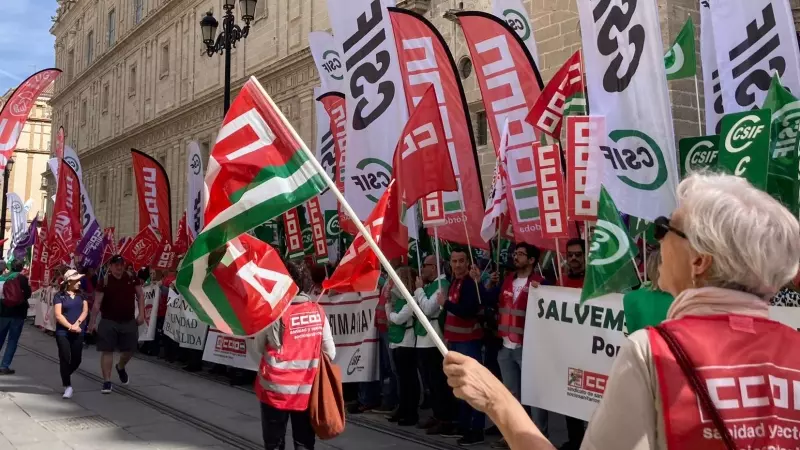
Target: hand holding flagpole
x: 362, y: 230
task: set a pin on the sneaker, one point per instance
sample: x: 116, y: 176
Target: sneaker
x: 437, y: 429
x: 472, y: 438
x: 451, y: 431
x: 7, y: 371
x: 123, y: 375
x: 500, y: 444
x: 106, y: 388
x: 67, y: 392
x: 427, y: 423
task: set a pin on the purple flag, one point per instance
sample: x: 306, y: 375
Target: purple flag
x: 26, y: 241
x: 90, y: 248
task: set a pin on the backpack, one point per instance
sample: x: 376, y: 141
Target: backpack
x: 12, y: 293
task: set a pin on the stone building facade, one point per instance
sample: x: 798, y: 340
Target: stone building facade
x: 30, y: 158
x: 136, y: 76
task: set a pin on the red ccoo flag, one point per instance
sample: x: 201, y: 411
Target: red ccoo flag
x: 66, y: 223
x: 422, y: 160
x: 563, y: 96
x: 141, y: 249
x: 152, y: 186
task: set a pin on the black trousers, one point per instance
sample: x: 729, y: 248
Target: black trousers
x: 576, y: 428
x: 444, y: 403
x: 273, y: 428
x: 405, y: 360
x: 70, y: 351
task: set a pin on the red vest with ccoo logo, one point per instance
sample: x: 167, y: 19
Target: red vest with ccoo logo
x: 512, y: 310
x: 752, y: 370
x: 381, y: 321
x: 457, y: 329
x: 285, y: 376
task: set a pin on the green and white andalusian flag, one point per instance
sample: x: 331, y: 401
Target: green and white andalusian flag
x: 257, y: 171
x: 680, y: 59
x: 782, y: 176
x: 611, y: 253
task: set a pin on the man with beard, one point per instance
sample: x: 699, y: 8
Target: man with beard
x: 576, y: 262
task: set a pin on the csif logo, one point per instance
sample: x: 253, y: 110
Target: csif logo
x: 743, y: 133
x: 73, y: 163
x: 702, y: 154
x: 196, y: 164
x: 16, y: 207
x: 308, y: 240
x: 518, y: 23
x: 637, y: 153
x: 372, y: 177
x: 332, y: 65
x: 674, y: 59
x: 332, y: 224
x: 610, y: 243
x: 353, y: 365
x: 617, y: 36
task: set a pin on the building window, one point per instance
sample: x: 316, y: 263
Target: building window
x: 83, y: 112
x: 103, y: 188
x: 132, y: 81
x: 70, y: 64
x: 105, y: 100
x: 66, y: 121
x: 164, y: 60
x: 89, y: 47
x: 465, y: 68
x: 138, y: 11
x: 482, y: 135
x: 261, y: 10
x: 112, y: 27
x: 128, y: 181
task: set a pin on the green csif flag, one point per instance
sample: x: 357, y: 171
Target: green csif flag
x: 680, y: 60
x: 782, y: 174
x: 743, y: 140
x: 610, y: 264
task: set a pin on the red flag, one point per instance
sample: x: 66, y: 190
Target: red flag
x: 167, y: 258
x: 562, y: 96
x: 111, y: 248
x: 60, y: 139
x: 318, y: 230
x: 66, y: 212
x: 425, y: 61
x: 57, y: 252
x: 37, y: 263
x: 551, y: 191
x: 254, y: 281
x: 294, y: 235
x: 142, y: 248
x: 182, y: 241
x: 359, y: 269
x: 579, y: 205
x: 16, y: 110
x: 421, y: 159
x: 152, y: 186
x: 334, y: 104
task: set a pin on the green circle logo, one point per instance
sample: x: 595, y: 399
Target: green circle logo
x: 332, y: 65
x: 374, y: 176
x: 644, y: 155
x: 308, y: 240
x: 516, y: 20
x: 332, y: 227
x: 609, y: 244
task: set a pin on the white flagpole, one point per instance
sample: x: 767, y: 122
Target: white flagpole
x: 414, y: 221
x: 438, y: 258
x: 644, y: 256
x: 697, y: 97
x: 361, y: 228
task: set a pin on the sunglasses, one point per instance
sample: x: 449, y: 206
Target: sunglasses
x: 663, y: 227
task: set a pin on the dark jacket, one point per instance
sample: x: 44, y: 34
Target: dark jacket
x: 468, y: 305
x: 20, y: 311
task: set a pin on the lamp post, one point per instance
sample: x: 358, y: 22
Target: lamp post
x: 231, y: 33
x: 6, y: 174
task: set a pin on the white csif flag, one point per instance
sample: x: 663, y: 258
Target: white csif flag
x: 195, y: 205
x: 19, y: 219
x: 708, y: 57
x: 376, y: 102
x: 326, y: 155
x: 87, y: 209
x: 753, y: 40
x: 327, y: 56
x: 513, y: 12
x: 497, y: 203
x: 624, y: 57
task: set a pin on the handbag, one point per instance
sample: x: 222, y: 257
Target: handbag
x: 697, y: 385
x: 326, y: 404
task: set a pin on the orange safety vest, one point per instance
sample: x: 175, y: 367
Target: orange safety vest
x: 512, y: 311
x: 285, y: 376
x: 457, y: 329
x: 752, y: 372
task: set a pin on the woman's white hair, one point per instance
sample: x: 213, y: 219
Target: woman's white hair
x: 753, y: 239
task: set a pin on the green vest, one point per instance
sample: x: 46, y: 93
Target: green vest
x: 430, y: 289
x: 398, y: 332
x: 645, y: 307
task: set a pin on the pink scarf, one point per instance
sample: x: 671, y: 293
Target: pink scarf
x: 709, y: 301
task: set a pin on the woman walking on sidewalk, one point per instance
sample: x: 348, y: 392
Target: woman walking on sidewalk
x: 71, y: 308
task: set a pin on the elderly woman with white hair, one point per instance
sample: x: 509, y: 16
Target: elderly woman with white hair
x: 717, y: 374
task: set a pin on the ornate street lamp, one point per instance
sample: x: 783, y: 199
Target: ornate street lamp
x: 6, y: 174
x: 231, y: 33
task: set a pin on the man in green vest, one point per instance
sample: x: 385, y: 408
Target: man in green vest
x: 648, y: 305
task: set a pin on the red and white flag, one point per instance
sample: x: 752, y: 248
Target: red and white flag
x: 152, y: 186
x: 580, y: 206
x: 60, y: 142
x: 16, y: 110
x: 142, y: 249
x: 563, y: 96
x: 551, y: 191
x: 497, y: 205
x: 111, y: 247
x: 318, y: 234
x: 294, y: 234
x: 359, y: 269
x: 335, y: 106
x: 38, y: 264
x: 67, y: 211
x: 167, y: 258
x: 182, y: 240
x: 421, y: 160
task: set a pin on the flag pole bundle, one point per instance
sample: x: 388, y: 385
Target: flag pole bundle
x: 361, y: 229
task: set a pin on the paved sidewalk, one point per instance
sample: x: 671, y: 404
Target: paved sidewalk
x: 151, y: 412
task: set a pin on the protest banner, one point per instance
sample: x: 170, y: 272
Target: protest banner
x: 352, y: 322
x: 569, y: 348
x: 147, y: 330
x: 33, y: 302
x: 181, y: 323
x: 231, y: 351
x: 45, y: 315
